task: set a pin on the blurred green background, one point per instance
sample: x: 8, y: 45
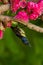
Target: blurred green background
x: 14, y: 52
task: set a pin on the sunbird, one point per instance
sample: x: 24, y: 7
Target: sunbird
x: 21, y: 34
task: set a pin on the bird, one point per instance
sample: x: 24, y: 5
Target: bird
x: 21, y: 34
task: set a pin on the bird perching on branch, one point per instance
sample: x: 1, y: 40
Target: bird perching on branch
x: 25, y: 11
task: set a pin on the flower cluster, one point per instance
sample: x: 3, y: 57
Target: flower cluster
x: 24, y: 10
x: 22, y: 16
x: 29, y: 10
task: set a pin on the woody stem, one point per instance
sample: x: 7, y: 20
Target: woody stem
x: 29, y: 25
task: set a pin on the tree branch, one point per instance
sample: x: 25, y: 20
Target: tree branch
x: 4, y: 8
x: 5, y: 1
x: 29, y: 25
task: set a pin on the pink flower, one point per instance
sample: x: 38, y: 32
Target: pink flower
x: 40, y: 4
x: 1, y: 34
x: 15, y: 5
x: 14, y: 1
x: 22, y: 16
x: 33, y: 16
x: 34, y: 10
x: 34, y: 7
x: 9, y: 24
x: 40, y: 0
x: 37, y: 9
x: 22, y: 4
x: 30, y: 6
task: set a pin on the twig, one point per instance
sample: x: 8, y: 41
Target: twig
x: 5, y: 1
x: 5, y: 18
x: 29, y: 25
x: 2, y: 27
x: 4, y: 8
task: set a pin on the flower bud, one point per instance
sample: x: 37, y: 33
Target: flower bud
x: 1, y: 34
